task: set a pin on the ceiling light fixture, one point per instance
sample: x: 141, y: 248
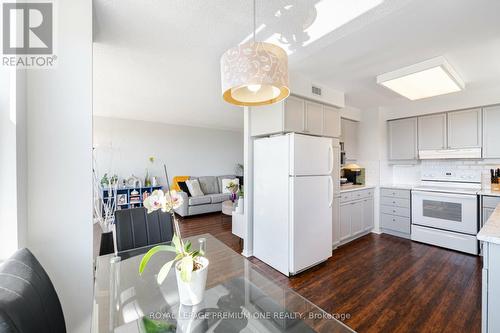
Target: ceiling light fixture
x: 426, y: 79
x: 254, y: 73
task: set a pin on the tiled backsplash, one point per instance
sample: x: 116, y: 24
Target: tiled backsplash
x: 404, y: 174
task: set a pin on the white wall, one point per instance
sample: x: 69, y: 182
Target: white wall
x: 123, y: 147
x: 372, y: 153
x: 59, y: 164
x: 8, y: 199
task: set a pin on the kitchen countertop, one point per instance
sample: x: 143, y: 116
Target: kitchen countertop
x: 490, y: 193
x: 349, y: 188
x: 490, y: 232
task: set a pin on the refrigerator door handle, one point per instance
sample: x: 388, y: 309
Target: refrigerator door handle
x: 330, y: 192
x: 332, y: 161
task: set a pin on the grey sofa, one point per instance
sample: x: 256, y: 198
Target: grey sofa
x: 208, y: 203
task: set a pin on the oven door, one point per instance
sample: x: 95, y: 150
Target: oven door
x: 447, y: 211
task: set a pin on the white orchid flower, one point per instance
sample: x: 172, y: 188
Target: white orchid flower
x: 155, y: 201
x: 167, y: 202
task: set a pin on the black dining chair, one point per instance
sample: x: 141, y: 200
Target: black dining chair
x: 28, y: 300
x: 136, y: 231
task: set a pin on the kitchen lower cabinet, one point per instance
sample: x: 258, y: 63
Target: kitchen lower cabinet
x: 395, y: 212
x: 488, y: 205
x: 356, y: 214
x: 368, y: 211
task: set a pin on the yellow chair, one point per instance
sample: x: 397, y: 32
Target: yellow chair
x: 176, y: 180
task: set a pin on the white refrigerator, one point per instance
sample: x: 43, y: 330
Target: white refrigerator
x: 295, y: 180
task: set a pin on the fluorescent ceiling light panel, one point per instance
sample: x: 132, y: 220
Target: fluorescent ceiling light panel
x: 426, y: 79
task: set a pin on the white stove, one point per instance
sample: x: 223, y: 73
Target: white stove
x: 445, y: 209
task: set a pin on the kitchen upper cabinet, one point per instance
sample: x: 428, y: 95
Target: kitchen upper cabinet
x: 314, y: 118
x: 432, y: 132
x: 294, y: 109
x: 350, y: 139
x: 295, y: 115
x: 403, y: 139
x: 491, y: 132
x: 331, y: 122
x: 464, y: 129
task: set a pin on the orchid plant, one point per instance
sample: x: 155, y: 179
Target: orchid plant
x: 233, y: 186
x: 168, y: 202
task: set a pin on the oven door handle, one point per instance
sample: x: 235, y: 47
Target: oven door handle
x: 445, y: 195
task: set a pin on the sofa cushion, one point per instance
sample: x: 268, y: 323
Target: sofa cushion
x: 194, y: 188
x: 220, y: 178
x: 220, y: 197
x: 209, y: 184
x: 201, y: 200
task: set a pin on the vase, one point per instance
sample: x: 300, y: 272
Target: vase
x: 192, y: 292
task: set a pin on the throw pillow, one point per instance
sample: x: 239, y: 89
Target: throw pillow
x: 194, y: 187
x: 184, y: 188
x: 226, y: 182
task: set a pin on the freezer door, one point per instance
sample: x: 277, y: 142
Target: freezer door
x: 311, y: 221
x: 310, y: 155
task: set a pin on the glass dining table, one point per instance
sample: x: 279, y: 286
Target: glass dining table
x: 238, y: 298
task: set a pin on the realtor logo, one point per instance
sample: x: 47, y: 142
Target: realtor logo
x: 28, y: 34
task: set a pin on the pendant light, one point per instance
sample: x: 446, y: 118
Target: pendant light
x: 254, y: 73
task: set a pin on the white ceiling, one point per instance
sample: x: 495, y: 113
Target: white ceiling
x: 158, y: 60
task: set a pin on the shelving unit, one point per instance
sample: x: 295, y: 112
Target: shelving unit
x: 130, y: 197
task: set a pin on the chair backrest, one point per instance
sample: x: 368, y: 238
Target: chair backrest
x: 28, y: 300
x: 135, y: 229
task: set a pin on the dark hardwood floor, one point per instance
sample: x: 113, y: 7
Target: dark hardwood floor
x: 380, y: 283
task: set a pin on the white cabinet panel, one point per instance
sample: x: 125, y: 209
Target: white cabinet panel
x: 432, y: 132
x: 314, y: 118
x: 345, y: 221
x: 356, y: 217
x: 350, y: 139
x: 464, y: 129
x: 331, y: 122
x: 368, y: 212
x: 294, y: 115
x: 491, y: 132
x: 403, y: 139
